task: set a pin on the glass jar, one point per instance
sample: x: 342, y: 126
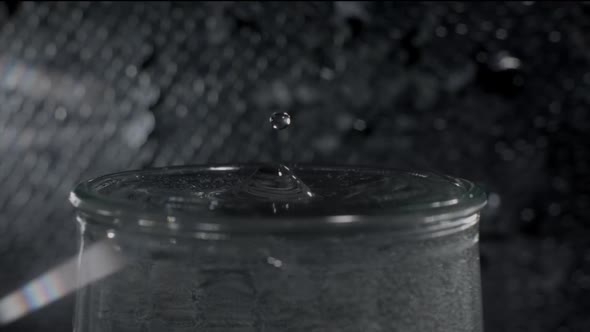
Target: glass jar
x: 258, y: 248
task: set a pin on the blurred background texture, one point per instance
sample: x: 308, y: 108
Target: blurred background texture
x: 494, y: 92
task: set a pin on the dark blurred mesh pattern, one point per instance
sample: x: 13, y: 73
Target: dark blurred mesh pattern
x: 493, y: 92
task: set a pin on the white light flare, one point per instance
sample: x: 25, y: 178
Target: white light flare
x: 96, y: 262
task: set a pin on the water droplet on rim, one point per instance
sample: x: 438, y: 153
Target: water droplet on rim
x: 280, y: 120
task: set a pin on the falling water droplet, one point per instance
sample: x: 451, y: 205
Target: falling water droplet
x: 274, y: 183
x: 280, y: 120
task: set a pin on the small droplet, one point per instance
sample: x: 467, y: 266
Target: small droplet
x: 554, y: 209
x: 61, y: 114
x: 494, y: 200
x: 131, y: 71
x: 440, y: 124
x: 359, y: 125
x: 554, y: 36
x: 461, y: 29
x: 527, y: 214
x: 441, y: 31
x: 280, y: 120
x: 501, y: 34
x: 327, y: 74
x: 505, y: 61
x: 274, y: 262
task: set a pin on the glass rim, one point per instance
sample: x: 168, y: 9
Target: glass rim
x: 430, y: 219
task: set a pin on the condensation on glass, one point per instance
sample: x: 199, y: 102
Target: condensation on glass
x: 276, y: 248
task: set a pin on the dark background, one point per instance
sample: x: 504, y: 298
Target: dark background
x: 493, y: 92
